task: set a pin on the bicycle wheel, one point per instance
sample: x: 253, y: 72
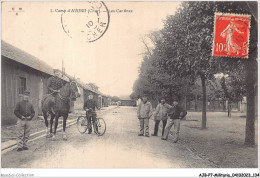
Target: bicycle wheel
x: 100, y: 127
x: 82, y: 124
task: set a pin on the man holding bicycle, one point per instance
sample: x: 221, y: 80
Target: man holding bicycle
x: 89, y: 106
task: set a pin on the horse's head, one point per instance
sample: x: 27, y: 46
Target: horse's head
x: 74, y: 88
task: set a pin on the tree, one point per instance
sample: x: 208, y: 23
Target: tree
x: 115, y: 99
x: 183, y: 53
x: 248, y: 67
x: 187, y: 36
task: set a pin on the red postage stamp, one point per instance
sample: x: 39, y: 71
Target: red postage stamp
x: 231, y: 35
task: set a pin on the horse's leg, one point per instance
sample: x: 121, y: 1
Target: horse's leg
x: 51, y: 124
x: 64, y: 126
x: 45, y: 116
x: 55, y: 126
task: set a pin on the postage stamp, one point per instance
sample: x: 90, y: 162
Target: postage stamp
x: 231, y: 35
x: 86, y: 24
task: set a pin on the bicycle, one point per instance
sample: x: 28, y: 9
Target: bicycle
x: 99, y: 125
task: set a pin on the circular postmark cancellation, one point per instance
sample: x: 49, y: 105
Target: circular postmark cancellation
x: 231, y: 35
x: 88, y: 23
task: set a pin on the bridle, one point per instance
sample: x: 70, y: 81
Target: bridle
x: 64, y: 97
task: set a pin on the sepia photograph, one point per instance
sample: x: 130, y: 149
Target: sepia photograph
x: 166, y: 85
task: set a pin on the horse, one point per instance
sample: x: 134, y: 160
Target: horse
x: 59, y: 107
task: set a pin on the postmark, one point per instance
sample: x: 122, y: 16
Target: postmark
x: 231, y: 35
x: 88, y: 23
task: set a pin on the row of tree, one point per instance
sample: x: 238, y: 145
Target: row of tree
x: 181, y: 53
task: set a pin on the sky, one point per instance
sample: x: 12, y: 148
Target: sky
x: 112, y: 62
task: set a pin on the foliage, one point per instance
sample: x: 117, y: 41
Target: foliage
x: 115, y: 98
x: 182, y: 52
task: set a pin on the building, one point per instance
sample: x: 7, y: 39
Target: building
x: 127, y: 101
x: 21, y: 71
x: 85, y: 91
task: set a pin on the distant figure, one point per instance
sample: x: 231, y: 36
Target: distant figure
x: 161, y: 114
x: 90, y: 106
x: 144, y: 112
x: 25, y: 112
x: 176, y: 113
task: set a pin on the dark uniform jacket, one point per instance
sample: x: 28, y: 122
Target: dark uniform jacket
x: 177, y: 112
x: 24, y: 108
x: 90, y: 104
x: 54, y: 83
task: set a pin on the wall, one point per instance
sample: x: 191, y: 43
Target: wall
x: 78, y: 104
x: 128, y: 103
x: 35, y: 81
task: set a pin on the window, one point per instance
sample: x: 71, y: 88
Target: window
x: 22, y: 85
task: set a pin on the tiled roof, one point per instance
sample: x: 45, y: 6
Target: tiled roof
x: 125, y: 97
x: 22, y: 57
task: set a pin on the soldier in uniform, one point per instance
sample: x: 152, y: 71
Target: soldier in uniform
x: 54, y: 83
x: 25, y: 112
x: 176, y: 113
x: 161, y: 115
x: 144, y: 112
x: 90, y: 106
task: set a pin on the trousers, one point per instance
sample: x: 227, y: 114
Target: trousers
x: 157, y: 122
x: 91, y: 117
x: 23, y: 132
x: 144, y: 126
x: 176, y: 123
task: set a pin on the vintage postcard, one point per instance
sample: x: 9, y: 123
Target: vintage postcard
x: 127, y: 84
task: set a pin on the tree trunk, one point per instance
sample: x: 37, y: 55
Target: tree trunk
x: 196, y: 106
x: 250, y: 113
x: 204, y: 104
x: 185, y: 98
x: 229, y: 108
x: 185, y: 102
x: 170, y: 99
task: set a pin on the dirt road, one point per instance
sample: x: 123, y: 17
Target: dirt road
x: 120, y: 147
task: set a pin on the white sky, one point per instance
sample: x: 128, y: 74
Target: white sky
x: 112, y: 62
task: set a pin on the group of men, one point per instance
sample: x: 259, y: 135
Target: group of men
x: 24, y: 110
x: 163, y: 112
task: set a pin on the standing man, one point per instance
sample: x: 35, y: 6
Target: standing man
x: 161, y: 114
x: 144, y: 112
x: 25, y: 112
x: 176, y: 113
x: 90, y: 106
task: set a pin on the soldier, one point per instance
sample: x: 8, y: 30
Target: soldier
x: 54, y: 83
x: 25, y: 112
x: 161, y: 115
x: 144, y: 112
x: 176, y: 113
x: 90, y: 106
